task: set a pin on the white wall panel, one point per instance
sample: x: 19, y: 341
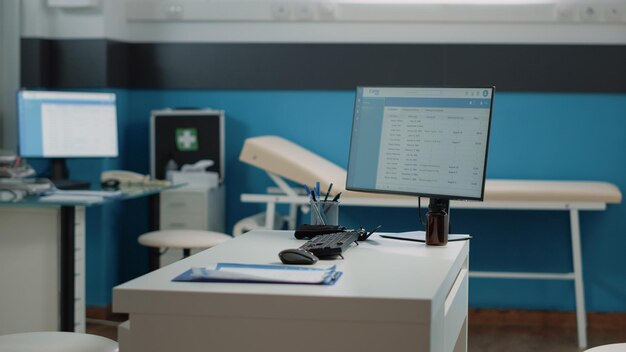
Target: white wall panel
x: 529, y: 21
x: 42, y: 21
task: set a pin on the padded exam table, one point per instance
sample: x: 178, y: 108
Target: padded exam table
x: 281, y: 158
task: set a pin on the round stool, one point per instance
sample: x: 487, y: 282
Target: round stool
x: 56, y: 341
x: 180, y: 239
x: 616, y: 347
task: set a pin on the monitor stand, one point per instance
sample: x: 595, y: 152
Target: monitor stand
x: 437, y: 222
x: 59, y: 176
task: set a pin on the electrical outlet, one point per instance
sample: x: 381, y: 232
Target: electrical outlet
x: 566, y: 12
x: 304, y: 11
x: 73, y: 3
x: 589, y: 13
x: 174, y: 11
x: 613, y: 14
x: 327, y: 11
x: 281, y: 11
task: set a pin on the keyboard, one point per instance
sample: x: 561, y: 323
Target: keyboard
x: 331, y: 244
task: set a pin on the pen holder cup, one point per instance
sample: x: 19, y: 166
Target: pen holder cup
x: 327, y: 210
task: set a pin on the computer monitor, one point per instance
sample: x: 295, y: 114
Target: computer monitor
x: 60, y: 125
x: 422, y: 141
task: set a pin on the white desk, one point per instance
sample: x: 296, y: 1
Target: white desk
x: 393, y: 294
x: 569, y: 196
x: 42, y: 262
x: 42, y: 256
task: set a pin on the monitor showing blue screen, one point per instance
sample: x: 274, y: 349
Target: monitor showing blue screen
x: 428, y: 142
x: 67, y: 124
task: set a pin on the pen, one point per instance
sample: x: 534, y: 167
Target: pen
x: 336, y: 199
x: 317, y: 189
x: 328, y: 192
x: 307, y: 190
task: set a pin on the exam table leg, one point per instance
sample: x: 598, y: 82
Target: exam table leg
x: 581, y: 314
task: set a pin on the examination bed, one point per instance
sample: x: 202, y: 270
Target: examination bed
x: 282, y: 159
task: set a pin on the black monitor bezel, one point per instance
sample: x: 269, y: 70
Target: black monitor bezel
x: 429, y: 195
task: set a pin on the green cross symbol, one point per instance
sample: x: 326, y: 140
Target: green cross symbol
x: 187, y: 139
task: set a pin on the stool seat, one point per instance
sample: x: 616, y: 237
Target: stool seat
x: 56, y: 341
x: 616, y: 347
x: 183, y: 239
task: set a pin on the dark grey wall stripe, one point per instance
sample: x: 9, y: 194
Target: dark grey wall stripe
x: 110, y: 64
x: 63, y: 63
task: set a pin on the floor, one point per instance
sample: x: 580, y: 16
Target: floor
x: 501, y: 330
x: 517, y: 331
x: 539, y: 339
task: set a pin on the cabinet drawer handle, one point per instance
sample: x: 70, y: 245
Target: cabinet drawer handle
x: 454, y: 291
x: 177, y: 205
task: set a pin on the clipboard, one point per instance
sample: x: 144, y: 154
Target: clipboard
x: 262, y: 273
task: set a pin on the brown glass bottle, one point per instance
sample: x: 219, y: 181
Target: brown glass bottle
x: 437, y: 225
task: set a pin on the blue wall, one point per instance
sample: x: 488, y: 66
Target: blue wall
x: 534, y: 136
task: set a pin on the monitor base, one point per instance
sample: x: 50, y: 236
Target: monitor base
x: 66, y: 184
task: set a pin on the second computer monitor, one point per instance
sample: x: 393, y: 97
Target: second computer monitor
x: 67, y: 124
x: 428, y: 142
x: 60, y: 125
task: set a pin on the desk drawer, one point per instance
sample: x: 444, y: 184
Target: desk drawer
x: 124, y: 336
x: 455, y: 309
x: 183, y: 202
x: 181, y: 220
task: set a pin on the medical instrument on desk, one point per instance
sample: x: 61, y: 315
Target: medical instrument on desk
x: 13, y: 166
x: 110, y: 184
x: 30, y: 186
x: 7, y: 195
x: 199, y: 166
x: 133, y: 178
x: 364, y: 235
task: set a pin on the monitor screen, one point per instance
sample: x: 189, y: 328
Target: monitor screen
x: 67, y: 124
x: 428, y: 142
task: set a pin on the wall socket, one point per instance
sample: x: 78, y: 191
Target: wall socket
x: 305, y: 11
x: 566, y: 12
x: 614, y: 14
x: 281, y: 11
x: 174, y: 11
x: 327, y: 11
x: 590, y: 13
x: 370, y: 11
